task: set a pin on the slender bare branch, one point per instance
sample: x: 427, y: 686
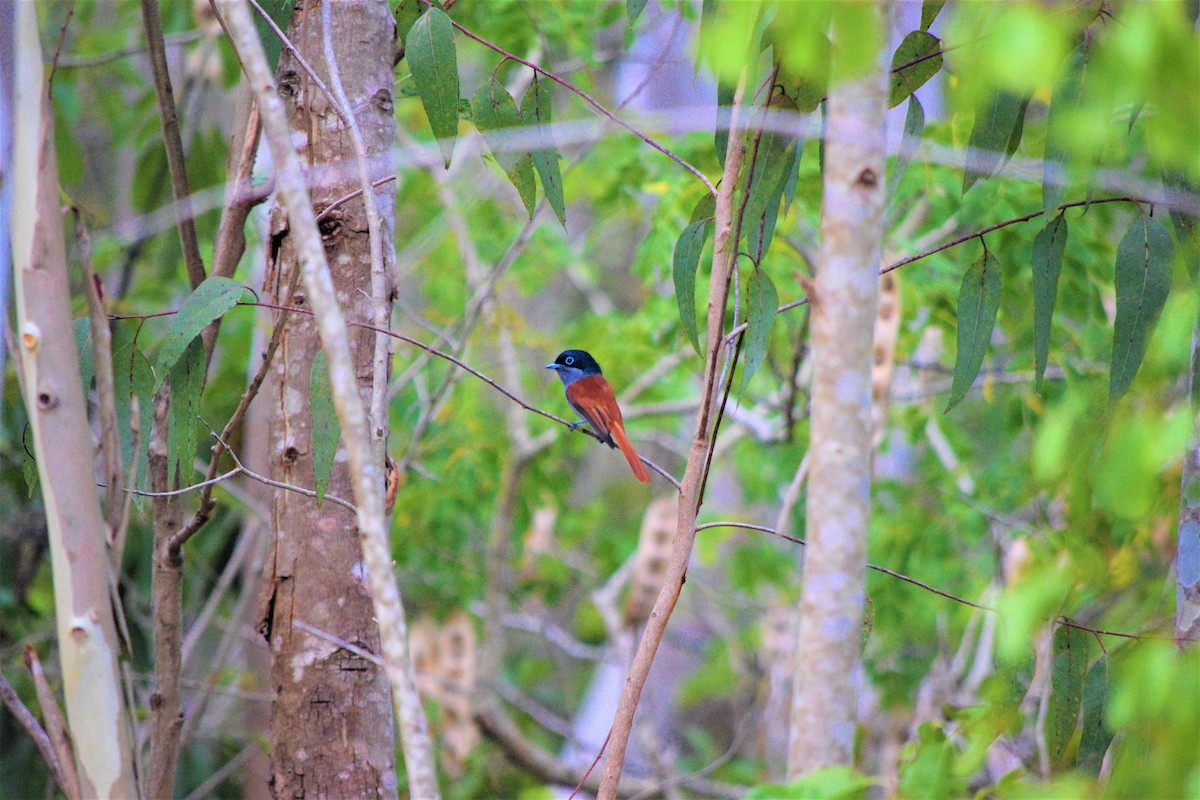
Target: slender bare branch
x: 25, y: 717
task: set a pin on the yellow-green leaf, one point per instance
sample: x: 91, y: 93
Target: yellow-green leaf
x: 494, y: 110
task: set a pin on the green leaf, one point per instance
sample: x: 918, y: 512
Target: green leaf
x: 1066, y: 97
x: 1095, y: 735
x: 187, y: 383
x: 1047, y: 259
x: 29, y: 469
x: 705, y: 209
x: 997, y: 132
x: 326, y: 428
x: 725, y: 95
x: 494, y: 110
x: 210, y: 300
x: 429, y: 48
x: 763, y: 300
x: 141, y: 390
x: 773, y: 166
x: 406, y: 13
x: 684, y: 263
x: 535, y: 112
x: 87, y: 354
x: 929, y: 12
x: 907, y: 79
x: 1066, y: 688
x: 633, y: 9
x: 1142, y: 282
x: 978, y: 302
x: 910, y: 141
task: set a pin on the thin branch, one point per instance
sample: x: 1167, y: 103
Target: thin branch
x: 57, y: 731
x: 953, y: 243
x: 173, y: 142
x: 24, y: 716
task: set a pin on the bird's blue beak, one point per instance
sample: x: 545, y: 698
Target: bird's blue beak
x: 552, y: 366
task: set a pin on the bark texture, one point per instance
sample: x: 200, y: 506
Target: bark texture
x: 332, y: 716
x: 845, y: 296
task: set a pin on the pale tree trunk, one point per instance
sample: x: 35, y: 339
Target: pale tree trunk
x: 845, y: 296
x: 87, y: 636
x: 332, y: 724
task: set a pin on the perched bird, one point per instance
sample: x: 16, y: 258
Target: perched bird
x: 593, y: 399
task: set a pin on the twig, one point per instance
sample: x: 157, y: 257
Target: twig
x: 24, y: 716
x: 342, y: 643
x: 724, y: 249
x: 173, y: 142
x: 57, y: 732
x: 953, y: 243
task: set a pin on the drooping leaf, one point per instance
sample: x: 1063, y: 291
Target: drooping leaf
x: 978, y: 303
x: 773, y: 163
x: 725, y: 95
x: 429, y: 48
x: 1066, y: 688
x: 1048, y: 250
x: 210, y: 300
x: 1066, y: 97
x: 29, y: 469
x: 684, y: 263
x: 1142, y: 282
x: 633, y: 9
x: 923, y: 48
x: 494, y: 111
x: 535, y: 112
x: 929, y: 12
x: 187, y: 383
x: 910, y: 141
x: 87, y: 355
x: 762, y: 300
x: 996, y: 133
x: 1095, y: 735
x: 326, y: 428
x: 705, y: 209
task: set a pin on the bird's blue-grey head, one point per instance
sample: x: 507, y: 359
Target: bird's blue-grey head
x: 571, y: 365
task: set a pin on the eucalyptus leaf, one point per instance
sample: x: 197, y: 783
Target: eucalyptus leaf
x: 996, y: 134
x: 910, y: 142
x: 929, y: 12
x: 1095, y: 735
x: 326, y: 428
x: 1066, y: 688
x: 535, y: 112
x: 978, y: 303
x: 212, y: 298
x: 1142, y: 281
x: 1047, y: 259
x: 906, y: 77
x: 633, y: 9
x: 494, y: 111
x: 763, y: 300
x: 86, y: 350
x: 187, y: 384
x: 684, y: 264
x: 429, y: 48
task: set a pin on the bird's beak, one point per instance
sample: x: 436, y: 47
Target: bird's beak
x: 552, y: 366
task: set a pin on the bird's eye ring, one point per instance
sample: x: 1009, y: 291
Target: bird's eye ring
x: 570, y: 360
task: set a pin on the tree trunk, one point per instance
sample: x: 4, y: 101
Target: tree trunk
x: 332, y: 717
x: 845, y: 296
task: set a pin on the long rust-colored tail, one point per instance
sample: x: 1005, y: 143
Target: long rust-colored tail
x: 618, y: 435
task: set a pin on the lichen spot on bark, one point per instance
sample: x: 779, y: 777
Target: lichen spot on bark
x: 31, y: 337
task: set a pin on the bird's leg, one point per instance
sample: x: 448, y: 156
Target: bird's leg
x: 576, y: 424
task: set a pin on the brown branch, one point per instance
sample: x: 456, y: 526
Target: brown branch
x: 24, y: 716
x: 56, y: 727
x: 953, y: 243
x: 724, y: 253
x: 173, y: 142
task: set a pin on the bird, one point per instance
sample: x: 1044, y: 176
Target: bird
x: 592, y: 398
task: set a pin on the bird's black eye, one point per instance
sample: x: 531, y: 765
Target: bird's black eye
x: 569, y: 360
